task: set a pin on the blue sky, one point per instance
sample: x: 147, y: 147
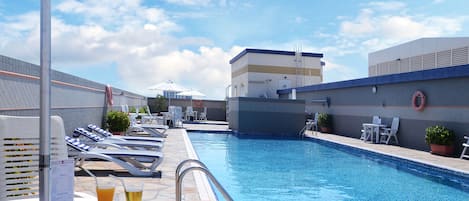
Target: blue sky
x: 133, y: 44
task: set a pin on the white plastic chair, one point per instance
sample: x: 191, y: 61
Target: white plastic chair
x: 388, y: 133
x: 203, y: 115
x: 313, y: 125
x: 189, y: 113
x: 176, y: 115
x: 465, y: 145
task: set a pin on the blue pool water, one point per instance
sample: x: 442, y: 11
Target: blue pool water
x: 282, y: 169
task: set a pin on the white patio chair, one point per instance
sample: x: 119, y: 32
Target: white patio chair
x: 176, y: 115
x: 388, y: 133
x: 189, y: 113
x: 203, y: 115
x: 465, y: 145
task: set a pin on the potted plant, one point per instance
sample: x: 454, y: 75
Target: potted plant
x: 325, y: 122
x: 117, y: 122
x: 440, y: 139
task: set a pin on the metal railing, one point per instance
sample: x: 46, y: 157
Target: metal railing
x: 201, y: 167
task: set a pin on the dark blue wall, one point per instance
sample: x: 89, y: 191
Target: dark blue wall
x: 353, y: 103
x: 260, y: 116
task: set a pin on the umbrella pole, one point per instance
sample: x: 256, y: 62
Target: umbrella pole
x: 44, y: 120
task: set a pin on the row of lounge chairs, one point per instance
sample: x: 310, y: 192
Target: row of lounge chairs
x: 129, y: 152
x: 19, y: 172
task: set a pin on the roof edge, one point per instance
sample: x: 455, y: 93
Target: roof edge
x: 278, y: 52
x: 431, y: 74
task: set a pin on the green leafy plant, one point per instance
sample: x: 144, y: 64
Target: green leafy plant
x: 117, y: 121
x: 324, y: 120
x: 142, y: 110
x: 439, y: 135
x: 132, y: 109
x: 160, y: 104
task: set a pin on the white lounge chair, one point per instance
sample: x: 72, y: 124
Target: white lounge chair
x: 107, y: 134
x: 388, y: 133
x: 127, y: 159
x: 117, y: 142
x: 19, y: 156
x: 148, y: 117
x: 465, y: 145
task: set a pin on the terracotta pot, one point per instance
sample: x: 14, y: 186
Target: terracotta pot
x: 325, y: 129
x: 118, y: 133
x: 444, y: 150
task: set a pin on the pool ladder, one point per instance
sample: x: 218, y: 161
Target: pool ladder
x: 201, y: 167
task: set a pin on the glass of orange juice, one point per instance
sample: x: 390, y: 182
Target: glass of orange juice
x: 133, y: 191
x: 105, y: 189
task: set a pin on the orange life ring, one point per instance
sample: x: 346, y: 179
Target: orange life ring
x: 109, y: 95
x: 418, y: 94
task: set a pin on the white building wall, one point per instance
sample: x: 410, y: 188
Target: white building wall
x: 421, y: 54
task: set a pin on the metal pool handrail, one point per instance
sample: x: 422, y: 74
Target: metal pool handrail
x: 202, y: 167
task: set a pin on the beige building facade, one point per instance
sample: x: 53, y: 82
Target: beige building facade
x: 260, y: 73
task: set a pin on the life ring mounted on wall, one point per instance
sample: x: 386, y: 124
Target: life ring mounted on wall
x: 109, y: 95
x: 417, y: 98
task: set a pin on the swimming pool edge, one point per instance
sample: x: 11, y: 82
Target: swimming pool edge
x: 461, y: 176
x: 204, y: 188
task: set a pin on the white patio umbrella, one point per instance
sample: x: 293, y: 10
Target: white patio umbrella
x: 167, y: 86
x: 191, y: 93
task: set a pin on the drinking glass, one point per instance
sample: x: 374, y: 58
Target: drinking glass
x: 133, y: 191
x: 105, y: 189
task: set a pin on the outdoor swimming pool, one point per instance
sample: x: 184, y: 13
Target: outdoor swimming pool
x: 282, y: 169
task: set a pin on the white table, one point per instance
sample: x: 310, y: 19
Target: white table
x: 375, y: 129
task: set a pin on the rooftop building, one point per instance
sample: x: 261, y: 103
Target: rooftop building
x: 260, y: 73
x: 420, y: 54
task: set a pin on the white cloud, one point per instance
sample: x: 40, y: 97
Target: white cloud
x: 387, y: 5
x: 207, y: 70
x: 300, y: 20
x: 141, y: 44
x: 192, y: 2
x: 335, y: 72
x: 362, y: 25
x: 383, y: 29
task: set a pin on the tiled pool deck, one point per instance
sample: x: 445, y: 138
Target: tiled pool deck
x: 175, y: 151
x: 154, y: 188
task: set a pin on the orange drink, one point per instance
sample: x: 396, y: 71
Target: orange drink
x: 105, y: 189
x: 105, y: 194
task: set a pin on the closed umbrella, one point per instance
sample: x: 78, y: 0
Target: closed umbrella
x: 44, y: 102
x: 167, y: 86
